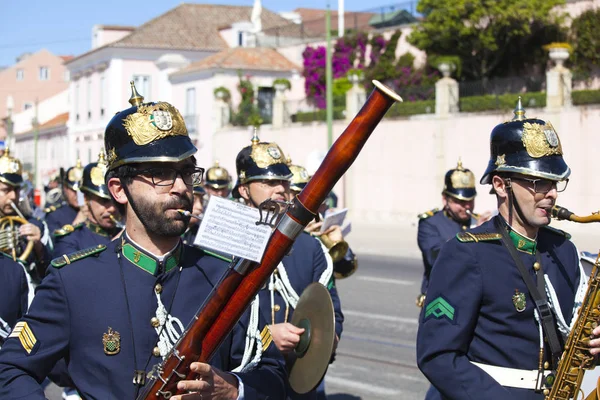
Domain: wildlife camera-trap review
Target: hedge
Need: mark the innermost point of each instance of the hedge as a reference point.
(318, 115)
(502, 102)
(585, 97)
(411, 108)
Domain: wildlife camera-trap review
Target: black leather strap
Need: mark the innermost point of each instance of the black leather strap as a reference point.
(538, 293)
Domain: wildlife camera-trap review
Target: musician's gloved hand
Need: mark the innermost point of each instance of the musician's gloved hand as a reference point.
(595, 342)
(30, 232)
(286, 336)
(212, 384)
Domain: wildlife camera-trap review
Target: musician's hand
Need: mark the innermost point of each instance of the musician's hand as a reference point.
(211, 384)
(313, 227)
(30, 232)
(335, 233)
(595, 342)
(286, 336)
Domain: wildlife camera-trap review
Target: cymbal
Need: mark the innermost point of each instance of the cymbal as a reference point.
(309, 361)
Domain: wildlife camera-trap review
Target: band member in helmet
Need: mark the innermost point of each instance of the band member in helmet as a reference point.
(114, 311)
(102, 217)
(438, 226)
(68, 211)
(344, 264)
(34, 230)
(264, 174)
(217, 181)
(501, 296)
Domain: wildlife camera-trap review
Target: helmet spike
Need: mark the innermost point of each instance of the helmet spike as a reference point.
(255, 139)
(519, 111)
(136, 99)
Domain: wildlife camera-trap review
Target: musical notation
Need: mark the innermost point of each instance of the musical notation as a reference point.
(230, 227)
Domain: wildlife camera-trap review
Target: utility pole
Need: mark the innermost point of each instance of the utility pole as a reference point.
(329, 79)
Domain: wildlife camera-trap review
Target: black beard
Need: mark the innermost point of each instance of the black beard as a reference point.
(156, 222)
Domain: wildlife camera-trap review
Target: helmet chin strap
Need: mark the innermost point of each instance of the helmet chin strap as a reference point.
(513, 204)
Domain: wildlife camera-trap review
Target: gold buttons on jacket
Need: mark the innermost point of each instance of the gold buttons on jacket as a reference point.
(536, 266)
(546, 365)
(158, 288)
(154, 322)
(276, 307)
(156, 352)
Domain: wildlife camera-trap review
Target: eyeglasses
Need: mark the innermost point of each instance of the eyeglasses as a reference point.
(545, 185)
(167, 176)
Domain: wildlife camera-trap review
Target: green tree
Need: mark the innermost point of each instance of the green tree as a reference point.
(491, 37)
(584, 31)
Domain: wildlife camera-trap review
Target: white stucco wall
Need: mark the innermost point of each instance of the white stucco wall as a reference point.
(400, 171)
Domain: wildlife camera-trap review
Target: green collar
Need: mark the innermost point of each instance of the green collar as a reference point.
(522, 243)
(96, 229)
(147, 261)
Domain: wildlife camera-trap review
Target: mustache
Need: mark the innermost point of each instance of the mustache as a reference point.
(183, 203)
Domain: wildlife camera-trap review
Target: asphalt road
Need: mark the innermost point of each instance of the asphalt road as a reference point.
(376, 356)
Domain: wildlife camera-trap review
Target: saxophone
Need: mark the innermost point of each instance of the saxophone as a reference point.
(576, 358)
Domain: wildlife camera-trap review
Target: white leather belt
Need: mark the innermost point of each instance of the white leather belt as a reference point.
(511, 377)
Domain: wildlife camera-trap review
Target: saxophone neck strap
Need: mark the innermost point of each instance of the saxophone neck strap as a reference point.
(538, 293)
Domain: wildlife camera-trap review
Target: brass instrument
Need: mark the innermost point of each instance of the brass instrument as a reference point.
(10, 239)
(561, 213)
(576, 358)
(337, 251)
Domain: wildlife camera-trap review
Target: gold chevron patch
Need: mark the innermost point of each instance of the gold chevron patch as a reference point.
(266, 338)
(25, 335)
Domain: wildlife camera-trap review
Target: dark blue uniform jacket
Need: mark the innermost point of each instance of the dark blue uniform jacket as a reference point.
(84, 235)
(13, 290)
(76, 305)
(432, 234)
(61, 216)
(475, 319)
(304, 265)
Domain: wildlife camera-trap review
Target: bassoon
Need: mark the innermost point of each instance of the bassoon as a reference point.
(241, 283)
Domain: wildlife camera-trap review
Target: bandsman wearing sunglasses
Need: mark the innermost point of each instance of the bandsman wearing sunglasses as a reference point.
(115, 311)
(502, 296)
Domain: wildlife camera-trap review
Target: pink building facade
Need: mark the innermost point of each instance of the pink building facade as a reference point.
(36, 77)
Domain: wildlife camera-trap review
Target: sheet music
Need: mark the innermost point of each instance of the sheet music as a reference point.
(333, 218)
(230, 227)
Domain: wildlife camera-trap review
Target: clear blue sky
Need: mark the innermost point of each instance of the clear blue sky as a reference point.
(64, 26)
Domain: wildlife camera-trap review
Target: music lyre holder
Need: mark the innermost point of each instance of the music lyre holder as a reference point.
(273, 210)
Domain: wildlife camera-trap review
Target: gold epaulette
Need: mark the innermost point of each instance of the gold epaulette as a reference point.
(557, 231)
(466, 237)
(52, 208)
(428, 214)
(65, 230)
(65, 259)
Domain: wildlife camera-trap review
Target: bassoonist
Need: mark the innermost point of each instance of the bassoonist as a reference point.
(240, 284)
